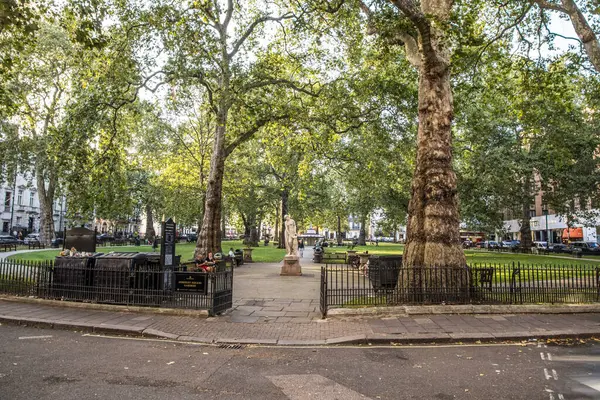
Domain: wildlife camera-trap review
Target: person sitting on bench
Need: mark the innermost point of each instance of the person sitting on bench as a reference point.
(206, 264)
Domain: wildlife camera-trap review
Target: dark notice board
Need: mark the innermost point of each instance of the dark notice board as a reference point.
(167, 245)
(191, 282)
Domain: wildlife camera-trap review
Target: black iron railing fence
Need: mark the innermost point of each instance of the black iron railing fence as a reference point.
(141, 284)
(345, 286)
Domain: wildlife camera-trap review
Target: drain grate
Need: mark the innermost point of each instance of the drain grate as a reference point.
(231, 346)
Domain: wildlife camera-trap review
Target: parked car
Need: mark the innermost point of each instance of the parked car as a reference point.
(32, 238)
(191, 237)
(508, 244)
(58, 242)
(467, 244)
(540, 245)
(7, 239)
(491, 244)
(559, 248)
(586, 247)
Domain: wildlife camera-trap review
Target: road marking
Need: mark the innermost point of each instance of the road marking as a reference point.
(546, 356)
(35, 337)
(582, 358)
(548, 375)
(542, 355)
(316, 387)
(561, 397)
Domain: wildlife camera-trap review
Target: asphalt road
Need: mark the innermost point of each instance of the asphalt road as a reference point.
(53, 364)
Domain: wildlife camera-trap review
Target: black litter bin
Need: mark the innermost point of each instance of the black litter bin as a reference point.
(318, 255)
(128, 278)
(383, 272)
(239, 257)
(73, 277)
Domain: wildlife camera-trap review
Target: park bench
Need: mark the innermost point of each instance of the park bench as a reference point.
(482, 277)
(8, 246)
(35, 245)
(334, 258)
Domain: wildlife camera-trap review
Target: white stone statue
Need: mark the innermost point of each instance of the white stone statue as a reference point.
(291, 237)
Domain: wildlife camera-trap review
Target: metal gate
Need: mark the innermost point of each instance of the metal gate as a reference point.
(221, 291)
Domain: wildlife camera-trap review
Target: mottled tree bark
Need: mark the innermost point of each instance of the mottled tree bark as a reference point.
(276, 233)
(209, 239)
(525, 228)
(338, 233)
(46, 198)
(150, 232)
(362, 235)
(433, 222)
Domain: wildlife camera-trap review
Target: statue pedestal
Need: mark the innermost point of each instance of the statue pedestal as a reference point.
(291, 266)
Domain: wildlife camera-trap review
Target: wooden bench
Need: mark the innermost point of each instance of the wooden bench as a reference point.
(8, 247)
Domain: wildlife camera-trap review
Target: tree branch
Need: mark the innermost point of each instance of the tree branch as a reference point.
(248, 134)
(228, 15)
(284, 82)
(412, 11)
(411, 46)
(250, 29)
(549, 6)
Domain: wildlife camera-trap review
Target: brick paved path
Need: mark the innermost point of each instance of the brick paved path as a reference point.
(439, 328)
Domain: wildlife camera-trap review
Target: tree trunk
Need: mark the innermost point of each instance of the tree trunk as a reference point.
(362, 236)
(223, 225)
(433, 222)
(209, 239)
(276, 233)
(254, 237)
(150, 232)
(525, 228)
(284, 210)
(338, 233)
(46, 198)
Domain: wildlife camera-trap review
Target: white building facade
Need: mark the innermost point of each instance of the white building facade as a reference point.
(20, 207)
(553, 228)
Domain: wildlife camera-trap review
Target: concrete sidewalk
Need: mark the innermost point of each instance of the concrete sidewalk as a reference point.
(398, 329)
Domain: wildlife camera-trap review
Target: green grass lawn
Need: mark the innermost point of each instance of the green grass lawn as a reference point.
(186, 250)
(273, 254)
(477, 256)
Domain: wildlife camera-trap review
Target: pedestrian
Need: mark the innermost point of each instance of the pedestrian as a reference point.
(155, 244)
(301, 248)
(231, 255)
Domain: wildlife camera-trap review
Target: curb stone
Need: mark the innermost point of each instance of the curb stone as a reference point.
(462, 309)
(108, 307)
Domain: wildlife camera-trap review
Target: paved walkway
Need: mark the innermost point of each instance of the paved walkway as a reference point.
(402, 329)
(261, 295)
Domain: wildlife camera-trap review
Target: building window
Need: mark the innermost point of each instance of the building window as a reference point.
(31, 196)
(20, 197)
(531, 213)
(7, 200)
(19, 219)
